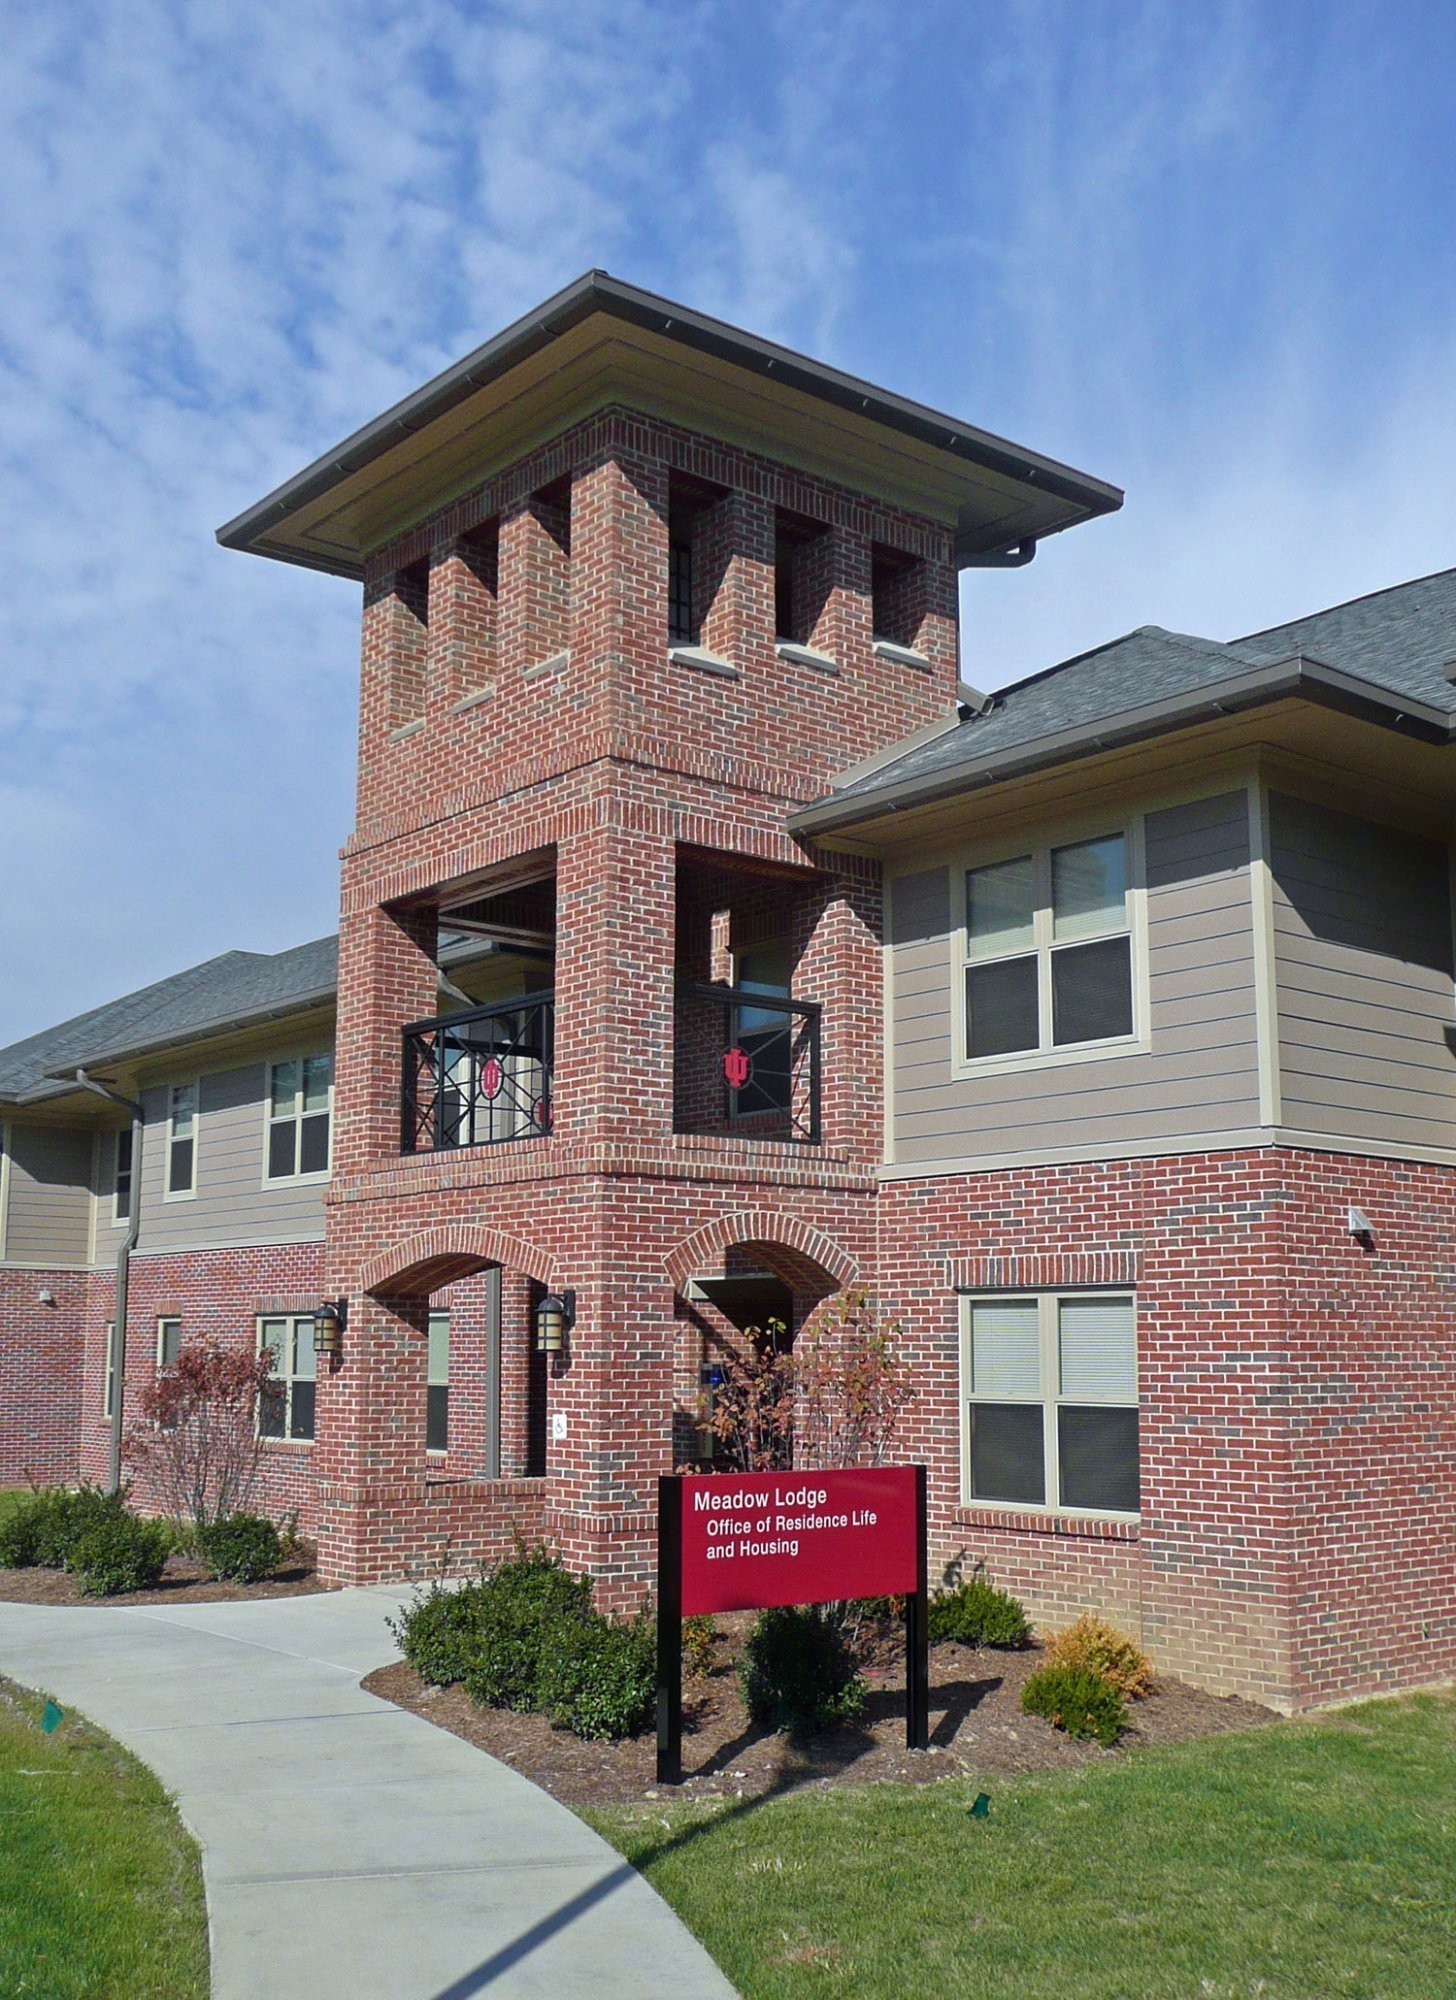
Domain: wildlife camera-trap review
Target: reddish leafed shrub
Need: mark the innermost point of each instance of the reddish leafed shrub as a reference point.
(197, 1434)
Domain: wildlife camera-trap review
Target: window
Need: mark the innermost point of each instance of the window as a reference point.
(765, 1034)
(121, 1180)
(1049, 950)
(437, 1392)
(681, 628)
(300, 1096)
(1049, 1394)
(182, 1140)
(108, 1393)
(285, 1409)
(169, 1341)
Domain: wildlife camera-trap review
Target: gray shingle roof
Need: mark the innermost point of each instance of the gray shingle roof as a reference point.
(1403, 638)
(223, 992)
(1396, 642)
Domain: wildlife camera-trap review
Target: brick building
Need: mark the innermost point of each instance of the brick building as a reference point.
(708, 944)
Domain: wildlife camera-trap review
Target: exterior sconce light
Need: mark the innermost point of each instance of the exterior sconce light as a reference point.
(554, 1319)
(1361, 1228)
(45, 1298)
(330, 1317)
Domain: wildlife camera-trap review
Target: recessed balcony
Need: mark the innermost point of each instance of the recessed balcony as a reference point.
(481, 1077)
(745, 1064)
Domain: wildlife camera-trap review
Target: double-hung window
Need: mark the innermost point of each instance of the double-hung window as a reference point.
(182, 1139)
(169, 1341)
(1050, 1402)
(1049, 950)
(121, 1179)
(300, 1098)
(437, 1391)
(285, 1408)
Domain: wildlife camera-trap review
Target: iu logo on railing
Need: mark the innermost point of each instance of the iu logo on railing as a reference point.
(492, 1076)
(737, 1068)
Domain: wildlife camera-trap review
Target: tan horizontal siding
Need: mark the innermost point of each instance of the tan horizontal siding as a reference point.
(49, 1220)
(1363, 961)
(231, 1204)
(1201, 1073)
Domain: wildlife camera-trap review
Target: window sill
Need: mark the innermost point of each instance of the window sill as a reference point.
(1058, 1058)
(297, 1180)
(902, 656)
(805, 656)
(1032, 1521)
(703, 662)
(555, 663)
(406, 730)
(292, 1446)
(473, 699)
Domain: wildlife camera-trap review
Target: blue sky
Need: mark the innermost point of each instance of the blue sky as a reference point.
(1205, 252)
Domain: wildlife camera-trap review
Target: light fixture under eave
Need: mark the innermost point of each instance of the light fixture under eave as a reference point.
(554, 1319)
(330, 1318)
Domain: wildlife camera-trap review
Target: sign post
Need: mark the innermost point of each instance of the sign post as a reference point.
(747, 1541)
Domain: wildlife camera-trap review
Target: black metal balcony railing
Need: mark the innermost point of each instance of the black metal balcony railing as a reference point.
(745, 1064)
(480, 1077)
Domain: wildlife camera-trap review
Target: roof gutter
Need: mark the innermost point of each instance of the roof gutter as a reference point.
(1298, 676)
(198, 1031)
(116, 1360)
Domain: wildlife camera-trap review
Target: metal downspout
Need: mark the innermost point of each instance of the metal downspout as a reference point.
(116, 1360)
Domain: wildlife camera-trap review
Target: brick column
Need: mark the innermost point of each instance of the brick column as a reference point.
(839, 964)
(462, 634)
(369, 1436)
(733, 566)
(387, 978)
(535, 581)
(614, 980)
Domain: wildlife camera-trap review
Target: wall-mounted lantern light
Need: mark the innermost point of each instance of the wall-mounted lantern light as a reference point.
(554, 1318)
(330, 1317)
(45, 1297)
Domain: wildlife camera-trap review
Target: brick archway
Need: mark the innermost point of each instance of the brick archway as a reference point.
(423, 1263)
(759, 1226)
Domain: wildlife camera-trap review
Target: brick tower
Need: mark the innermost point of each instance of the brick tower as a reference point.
(636, 588)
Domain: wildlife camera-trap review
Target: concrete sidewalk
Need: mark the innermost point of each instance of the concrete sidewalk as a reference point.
(350, 1849)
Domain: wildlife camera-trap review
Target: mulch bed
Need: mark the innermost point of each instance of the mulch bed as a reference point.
(184, 1581)
(977, 1730)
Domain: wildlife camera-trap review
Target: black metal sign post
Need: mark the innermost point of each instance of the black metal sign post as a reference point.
(917, 1633)
(669, 1629)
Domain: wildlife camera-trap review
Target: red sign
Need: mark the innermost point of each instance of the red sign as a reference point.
(766, 1538)
(737, 1068)
(492, 1076)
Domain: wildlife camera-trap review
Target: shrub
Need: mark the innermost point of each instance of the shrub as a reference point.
(798, 1671)
(699, 1636)
(198, 1435)
(527, 1608)
(64, 1517)
(600, 1680)
(241, 1548)
(1095, 1647)
(120, 1553)
(19, 1532)
(438, 1631)
(1080, 1702)
(976, 1613)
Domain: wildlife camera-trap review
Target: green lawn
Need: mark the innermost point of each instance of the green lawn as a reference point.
(1308, 1861)
(100, 1887)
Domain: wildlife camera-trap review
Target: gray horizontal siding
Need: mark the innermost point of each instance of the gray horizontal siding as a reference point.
(49, 1219)
(1363, 974)
(1201, 1075)
(231, 1205)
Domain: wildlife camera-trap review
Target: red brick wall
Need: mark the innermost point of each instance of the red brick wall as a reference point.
(1298, 1406)
(41, 1358)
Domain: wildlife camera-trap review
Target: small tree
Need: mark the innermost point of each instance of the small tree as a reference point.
(197, 1434)
(834, 1400)
(851, 1387)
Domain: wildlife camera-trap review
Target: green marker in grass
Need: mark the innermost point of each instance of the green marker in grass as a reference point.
(51, 1719)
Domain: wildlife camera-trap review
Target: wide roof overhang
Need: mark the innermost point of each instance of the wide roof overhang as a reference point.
(600, 342)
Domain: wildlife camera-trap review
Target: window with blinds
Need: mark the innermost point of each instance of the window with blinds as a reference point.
(1049, 949)
(1050, 1402)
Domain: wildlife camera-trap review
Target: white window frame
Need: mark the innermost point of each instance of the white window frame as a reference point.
(434, 1381)
(169, 1193)
(166, 1320)
(319, 1175)
(1050, 1055)
(126, 1132)
(1050, 1399)
(286, 1378)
